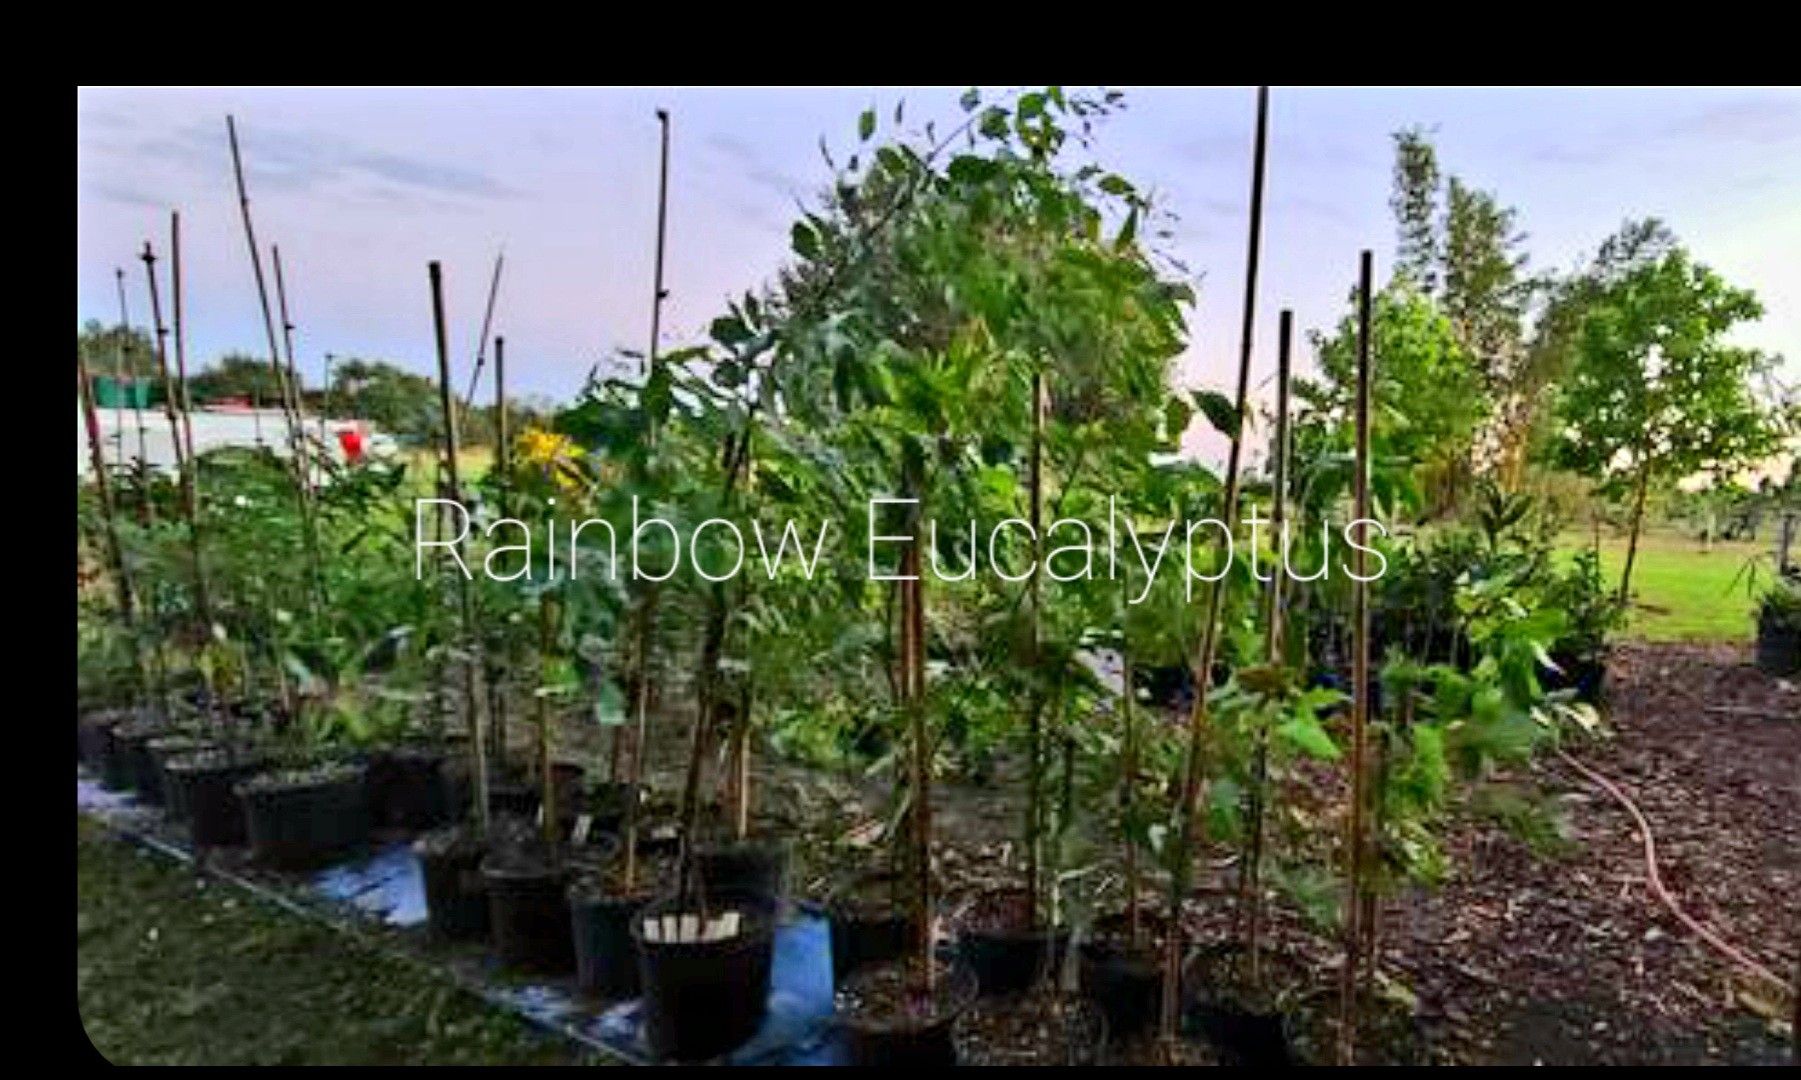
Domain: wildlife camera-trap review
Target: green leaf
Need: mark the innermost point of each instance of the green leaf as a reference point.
(1218, 409)
(804, 240)
(866, 125)
(1305, 733)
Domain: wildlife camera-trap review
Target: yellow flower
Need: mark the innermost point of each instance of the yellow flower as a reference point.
(547, 454)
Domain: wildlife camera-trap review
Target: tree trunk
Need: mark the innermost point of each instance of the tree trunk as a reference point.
(1638, 518)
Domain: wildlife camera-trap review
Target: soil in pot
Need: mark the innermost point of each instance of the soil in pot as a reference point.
(299, 818)
(408, 789)
(1037, 1029)
(1007, 953)
(205, 784)
(456, 897)
(868, 925)
(528, 909)
(753, 868)
(888, 1019)
(1123, 979)
(705, 975)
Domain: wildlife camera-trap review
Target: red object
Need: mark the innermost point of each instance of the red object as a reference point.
(352, 442)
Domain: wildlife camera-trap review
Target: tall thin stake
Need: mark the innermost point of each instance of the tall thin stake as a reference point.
(481, 343)
(503, 462)
(1356, 844)
(660, 293)
(1203, 668)
(146, 510)
(295, 436)
(1035, 717)
(1251, 884)
(447, 400)
(121, 572)
(183, 462)
(297, 417)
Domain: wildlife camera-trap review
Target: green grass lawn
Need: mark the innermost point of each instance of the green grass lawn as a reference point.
(1682, 592)
(177, 970)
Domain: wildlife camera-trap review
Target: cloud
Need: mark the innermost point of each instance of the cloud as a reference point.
(749, 165)
(307, 162)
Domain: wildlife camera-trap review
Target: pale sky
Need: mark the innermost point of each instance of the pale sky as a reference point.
(361, 188)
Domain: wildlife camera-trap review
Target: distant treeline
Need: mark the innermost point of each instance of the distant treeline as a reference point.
(393, 399)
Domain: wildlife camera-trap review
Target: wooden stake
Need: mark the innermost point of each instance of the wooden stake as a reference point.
(447, 401)
(1251, 881)
(1035, 717)
(1357, 843)
(1203, 668)
(97, 459)
(183, 462)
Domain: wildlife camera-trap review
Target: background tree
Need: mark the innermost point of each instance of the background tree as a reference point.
(1653, 392)
(100, 346)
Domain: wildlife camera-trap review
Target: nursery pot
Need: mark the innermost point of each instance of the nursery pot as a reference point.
(204, 785)
(703, 998)
(93, 731)
(299, 819)
(528, 912)
(1778, 648)
(407, 788)
(1126, 983)
(128, 765)
(887, 1024)
(743, 868)
(606, 963)
(456, 897)
(1007, 954)
(161, 750)
(867, 926)
(1242, 1029)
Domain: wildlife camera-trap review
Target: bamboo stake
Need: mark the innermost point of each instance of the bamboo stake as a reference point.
(146, 511)
(1129, 717)
(1203, 668)
(183, 461)
(481, 343)
(647, 603)
(301, 482)
(1357, 844)
(121, 571)
(447, 401)
(1251, 883)
(295, 404)
(913, 650)
(1035, 719)
(497, 706)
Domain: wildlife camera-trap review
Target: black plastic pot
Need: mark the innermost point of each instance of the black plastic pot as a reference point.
(161, 750)
(512, 797)
(703, 999)
(1778, 648)
(456, 897)
(407, 788)
(128, 766)
(92, 733)
(743, 868)
(1126, 985)
(1242, 1031)
(917, 1041)
(204, 785)
(1010, 959)
(867, 926)
(300, 822)
(528, 911)
(606, 962)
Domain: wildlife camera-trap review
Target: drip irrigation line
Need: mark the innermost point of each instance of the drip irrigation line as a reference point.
(1655, 880)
